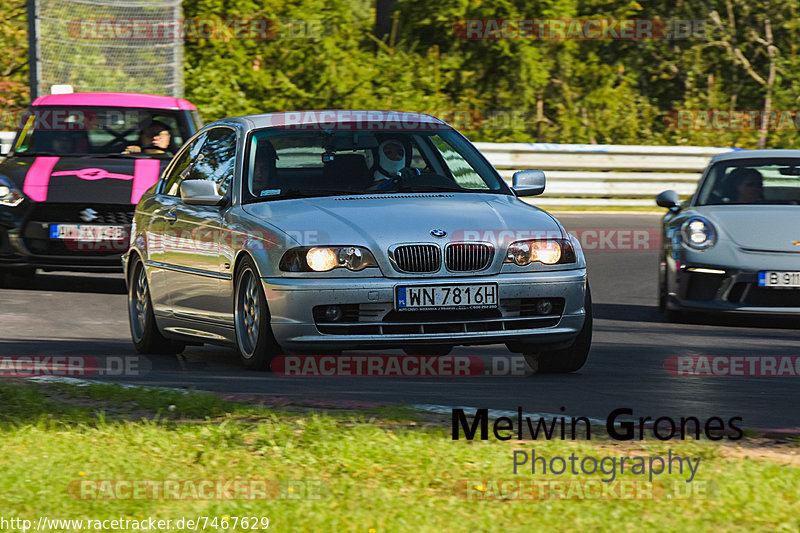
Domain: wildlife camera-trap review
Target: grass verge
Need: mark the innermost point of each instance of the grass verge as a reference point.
(66, 448)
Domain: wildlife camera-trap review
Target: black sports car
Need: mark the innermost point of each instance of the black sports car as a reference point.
(77, 167)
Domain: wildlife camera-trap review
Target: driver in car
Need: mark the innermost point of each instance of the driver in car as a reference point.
(391, 160)
(154, 139)
(748, 186)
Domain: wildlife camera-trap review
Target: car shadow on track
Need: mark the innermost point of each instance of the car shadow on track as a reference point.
(651, 314)
(68, 282)
(74, 346)
(627, 312)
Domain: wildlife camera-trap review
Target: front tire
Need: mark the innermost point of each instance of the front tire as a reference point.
(254, 339)
(144, 332)
(569, 359)
(671, 315)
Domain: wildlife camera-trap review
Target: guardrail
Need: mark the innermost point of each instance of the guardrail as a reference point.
(590, 174)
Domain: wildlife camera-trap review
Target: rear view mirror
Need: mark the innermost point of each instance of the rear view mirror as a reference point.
(200, 192)
(528, 182)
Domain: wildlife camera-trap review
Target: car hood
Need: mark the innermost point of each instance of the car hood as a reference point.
(773, 228)
(81, 179)
(380, 221)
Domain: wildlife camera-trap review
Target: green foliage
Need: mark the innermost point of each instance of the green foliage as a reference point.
(324, 55)
(14, 92)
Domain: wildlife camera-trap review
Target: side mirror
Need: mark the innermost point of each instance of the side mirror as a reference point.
(200, 192)
(528, 182)
(668, 199)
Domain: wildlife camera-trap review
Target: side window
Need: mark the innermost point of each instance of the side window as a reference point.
(217, 159)
(177, 173)
(461, 170)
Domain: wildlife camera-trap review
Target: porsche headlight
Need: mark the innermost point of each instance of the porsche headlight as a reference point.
(546, 251)
(325, 258)
(10, 196)
(698, 233)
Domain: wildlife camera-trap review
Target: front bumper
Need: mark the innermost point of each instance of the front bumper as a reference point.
(731, 290)
(25, 239)
(16, 253)
(374, 323)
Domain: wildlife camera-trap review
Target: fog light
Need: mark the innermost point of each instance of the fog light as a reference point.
(544, 307)
(333, 313)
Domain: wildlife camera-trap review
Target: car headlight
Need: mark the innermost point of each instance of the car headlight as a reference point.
(698, 233)
(325, 258)
(546, 251)
(10, 196)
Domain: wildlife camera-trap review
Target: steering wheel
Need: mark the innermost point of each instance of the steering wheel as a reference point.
(398, 180)
(114, 146)
(158, 149)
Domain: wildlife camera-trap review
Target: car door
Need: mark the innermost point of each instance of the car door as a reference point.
(160, 232)
(197, 272)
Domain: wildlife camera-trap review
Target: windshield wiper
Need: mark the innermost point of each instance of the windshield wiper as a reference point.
(437, 188)
(125, 156)
(433, 188)
(53, 154)
(98, 156)
(312, 193)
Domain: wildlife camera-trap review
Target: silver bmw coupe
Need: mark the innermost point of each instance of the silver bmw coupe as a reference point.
(338, 230)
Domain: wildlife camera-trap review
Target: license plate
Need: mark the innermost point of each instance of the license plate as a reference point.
(778, 279)
(438, 297)
(88, 233)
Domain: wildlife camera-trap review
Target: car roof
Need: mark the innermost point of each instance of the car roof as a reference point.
(755, 154)
(148, 101)
(374, 120)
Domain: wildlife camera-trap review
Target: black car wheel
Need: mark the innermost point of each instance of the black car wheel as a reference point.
(254, 338)
(144, 332)
(672, 315)
(568, 359)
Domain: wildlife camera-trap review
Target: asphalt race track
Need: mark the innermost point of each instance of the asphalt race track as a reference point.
(85, 314)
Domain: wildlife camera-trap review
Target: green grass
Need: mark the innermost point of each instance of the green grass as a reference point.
(386, 469)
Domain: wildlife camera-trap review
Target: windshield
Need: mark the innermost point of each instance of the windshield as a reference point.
(291, 164)
(61, 130)
(752, 181)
